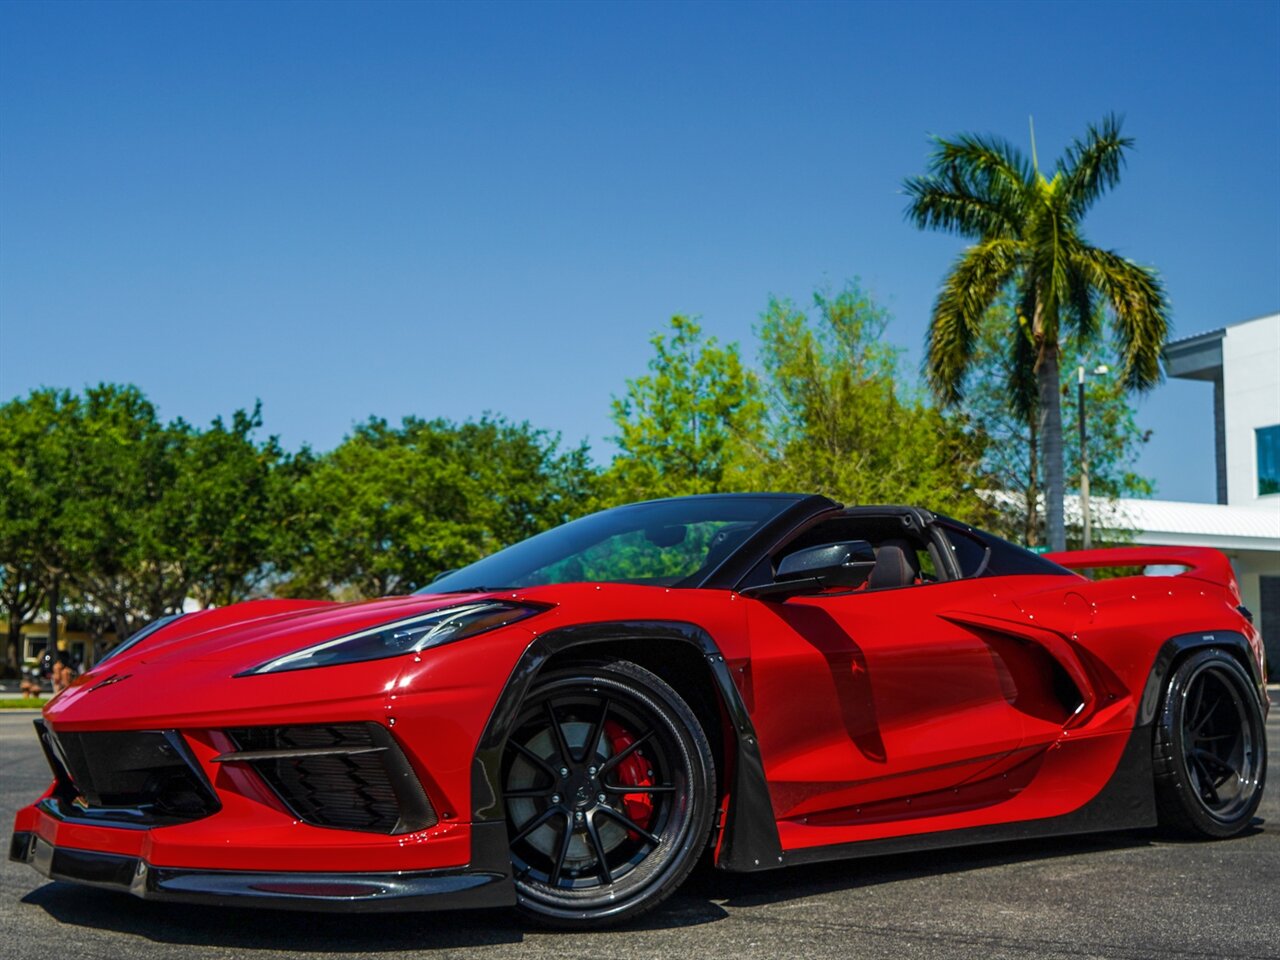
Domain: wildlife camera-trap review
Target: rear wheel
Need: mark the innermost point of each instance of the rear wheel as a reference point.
(1210, 747)
(609, 786)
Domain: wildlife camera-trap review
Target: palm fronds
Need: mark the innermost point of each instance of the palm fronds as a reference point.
(973, 284)
(1136, 295)
(1091, 165)
(951, 206)
(1029, 227)
(973, 189)
(1026, 229)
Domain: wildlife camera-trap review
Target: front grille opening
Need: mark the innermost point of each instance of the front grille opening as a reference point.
(145, 777)
(349, 776)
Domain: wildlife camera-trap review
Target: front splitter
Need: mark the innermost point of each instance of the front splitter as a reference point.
(454, 889)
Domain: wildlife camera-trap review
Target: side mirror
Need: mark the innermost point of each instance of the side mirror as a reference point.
(844, 564)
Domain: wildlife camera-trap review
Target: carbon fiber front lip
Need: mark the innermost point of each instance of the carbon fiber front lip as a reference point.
(460, 889)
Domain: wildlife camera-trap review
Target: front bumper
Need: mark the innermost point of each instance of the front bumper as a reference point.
(471, 887)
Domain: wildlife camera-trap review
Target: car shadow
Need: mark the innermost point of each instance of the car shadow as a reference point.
(847, 876)
(284, 930)
(702, 900)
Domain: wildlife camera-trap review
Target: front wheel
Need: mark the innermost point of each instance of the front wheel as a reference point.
(609, 785)
(1210, 747)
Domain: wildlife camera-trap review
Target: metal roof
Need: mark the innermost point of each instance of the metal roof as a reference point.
(1174, 523)
(1170, 522)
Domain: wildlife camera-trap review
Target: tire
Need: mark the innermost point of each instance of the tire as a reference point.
(603, 834)
(1210, 748)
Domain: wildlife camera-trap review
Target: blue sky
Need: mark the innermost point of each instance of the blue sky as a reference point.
(365, 209)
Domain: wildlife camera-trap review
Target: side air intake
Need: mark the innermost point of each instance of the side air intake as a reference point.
(141, 777)
(349, 776)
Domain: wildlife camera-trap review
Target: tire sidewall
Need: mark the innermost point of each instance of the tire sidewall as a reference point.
(1178, 784)
(680, 719)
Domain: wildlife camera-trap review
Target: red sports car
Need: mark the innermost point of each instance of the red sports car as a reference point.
(571, 723)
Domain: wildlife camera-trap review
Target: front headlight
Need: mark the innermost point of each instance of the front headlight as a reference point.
(410, 635)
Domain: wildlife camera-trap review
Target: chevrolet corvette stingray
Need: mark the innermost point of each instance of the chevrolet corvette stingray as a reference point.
(570, 724)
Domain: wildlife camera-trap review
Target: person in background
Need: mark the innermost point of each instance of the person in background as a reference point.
(62, 673)
(30, 685)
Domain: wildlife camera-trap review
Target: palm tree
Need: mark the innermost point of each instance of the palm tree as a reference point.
(1027, 237)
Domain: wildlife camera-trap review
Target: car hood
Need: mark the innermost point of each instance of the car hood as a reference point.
(184, 668)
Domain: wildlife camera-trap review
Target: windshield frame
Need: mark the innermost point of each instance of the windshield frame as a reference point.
(791, 510)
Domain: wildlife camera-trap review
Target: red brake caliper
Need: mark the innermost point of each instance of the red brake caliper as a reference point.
(634, 771)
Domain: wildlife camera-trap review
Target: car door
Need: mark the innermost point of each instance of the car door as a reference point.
(872, 696)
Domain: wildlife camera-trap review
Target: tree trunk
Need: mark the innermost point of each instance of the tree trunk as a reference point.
(55, 601)
(1031, 493)
(15, 642)
(1051, 438)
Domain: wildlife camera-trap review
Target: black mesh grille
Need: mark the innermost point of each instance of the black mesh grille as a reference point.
(367, 786)
(133, 776)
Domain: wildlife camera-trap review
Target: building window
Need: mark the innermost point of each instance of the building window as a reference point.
(1268, 460)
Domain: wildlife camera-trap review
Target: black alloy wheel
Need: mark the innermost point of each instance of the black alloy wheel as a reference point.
(609, 786)
(1210, 747)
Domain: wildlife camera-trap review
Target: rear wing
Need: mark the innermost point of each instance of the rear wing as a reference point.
(1201, 563)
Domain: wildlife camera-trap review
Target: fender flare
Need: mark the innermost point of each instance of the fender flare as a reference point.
(749, 835)
(1174, 648)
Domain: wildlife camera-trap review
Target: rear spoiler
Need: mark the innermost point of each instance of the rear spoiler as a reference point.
(1202, 563)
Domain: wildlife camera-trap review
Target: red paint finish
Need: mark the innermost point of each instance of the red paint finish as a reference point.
(899, 700)
(930, 707)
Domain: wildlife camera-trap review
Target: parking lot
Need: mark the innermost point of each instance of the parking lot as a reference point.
(1131, 895)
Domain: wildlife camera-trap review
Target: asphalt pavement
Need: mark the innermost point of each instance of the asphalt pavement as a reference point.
(1129, 895)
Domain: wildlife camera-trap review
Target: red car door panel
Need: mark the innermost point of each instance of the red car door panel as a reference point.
(867, 696)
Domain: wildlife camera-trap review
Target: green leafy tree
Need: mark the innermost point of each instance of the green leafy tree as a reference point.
(843, 422)
(228, 504)
(690, 424)
(37, 453)
(391, 508)
(1027, 235)
(23, 523)
(119, 525)
(535, 483)
(21, 596)
(118, 517)
(78, 470)
(1010, 462)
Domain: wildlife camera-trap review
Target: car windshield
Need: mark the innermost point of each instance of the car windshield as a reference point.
(660, 543)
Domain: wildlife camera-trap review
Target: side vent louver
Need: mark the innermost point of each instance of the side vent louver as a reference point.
(349, 776)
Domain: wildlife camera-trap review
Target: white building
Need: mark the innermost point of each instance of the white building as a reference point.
(1242, 363)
